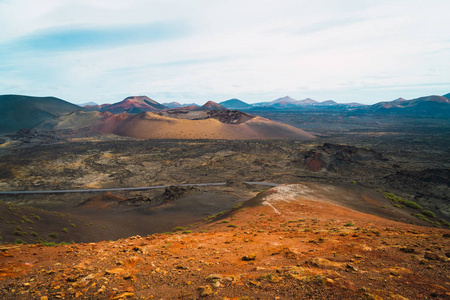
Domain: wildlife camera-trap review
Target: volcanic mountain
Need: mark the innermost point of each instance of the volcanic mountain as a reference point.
(17, 111)
(134, 104)
(235, 104)
(211, 105)
(181, 124)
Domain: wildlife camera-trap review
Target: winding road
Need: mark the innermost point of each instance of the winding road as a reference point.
(129, 188)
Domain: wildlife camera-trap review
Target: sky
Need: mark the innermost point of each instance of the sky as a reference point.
(199, 50)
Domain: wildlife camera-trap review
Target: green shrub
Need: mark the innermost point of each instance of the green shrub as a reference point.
(232, 225)
(34, 233)
(237, 205)
(18, 231)
(65, 230)
(178, 228)
(444, 223)
(212, 217)
(429, 213)
(48, 244)
(407, 203)
(19, 241)
(186, 232)
(53, 235)
(349, 224)
(25, 218)
(73, 225)
(422, 217)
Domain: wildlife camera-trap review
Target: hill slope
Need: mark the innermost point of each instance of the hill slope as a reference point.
(153, 126)
(17, 111)
(284, 244)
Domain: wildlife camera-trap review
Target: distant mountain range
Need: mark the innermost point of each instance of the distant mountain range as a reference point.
(17, 111)
(429, 105)
(425, 105)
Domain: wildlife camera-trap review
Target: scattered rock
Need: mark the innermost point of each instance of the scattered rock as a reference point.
(398, 271)
(214, 277)
(351, 267)
(205, 290)
(323, 263)
(249, 257)
(273, 278)
(431, 256)
(408, 250)
(124, 295)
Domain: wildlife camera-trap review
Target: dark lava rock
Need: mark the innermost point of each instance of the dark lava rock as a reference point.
(174, 192)
(230, 116)
(333, 157)
(431, 256)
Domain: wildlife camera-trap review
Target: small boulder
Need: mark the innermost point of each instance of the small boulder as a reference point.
(205, 290)
(431, 256)
(249, 257)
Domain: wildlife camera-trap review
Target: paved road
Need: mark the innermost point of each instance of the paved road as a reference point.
(128, 189)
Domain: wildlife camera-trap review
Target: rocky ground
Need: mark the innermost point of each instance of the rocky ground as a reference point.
(90, 163)
(286, 243)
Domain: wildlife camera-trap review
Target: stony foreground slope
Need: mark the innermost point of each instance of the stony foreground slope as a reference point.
(287, 243)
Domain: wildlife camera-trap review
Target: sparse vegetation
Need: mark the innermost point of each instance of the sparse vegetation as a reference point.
(212, 217)
(422, 217)
(402, 201)
(444, 223)
(53, 235)
(178, 228)
(18, 231)
(429, 213)
(65, 230)
(26, 219)
(19, 242)
(35, 216)
(237, 205)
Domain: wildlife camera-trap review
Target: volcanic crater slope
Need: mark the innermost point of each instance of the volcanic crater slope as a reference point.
(181, 124)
